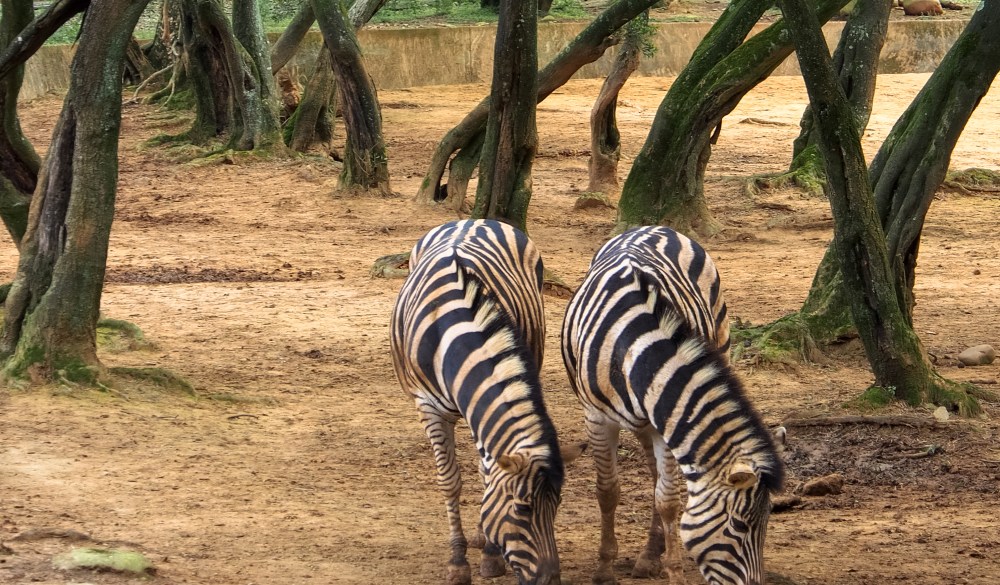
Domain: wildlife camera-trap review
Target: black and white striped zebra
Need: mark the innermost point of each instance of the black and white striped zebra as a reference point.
(644, 342)
(467, 337)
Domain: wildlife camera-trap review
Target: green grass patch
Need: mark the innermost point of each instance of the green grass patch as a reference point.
(101, 559)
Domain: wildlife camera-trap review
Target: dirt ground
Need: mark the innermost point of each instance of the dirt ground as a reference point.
(300, 461)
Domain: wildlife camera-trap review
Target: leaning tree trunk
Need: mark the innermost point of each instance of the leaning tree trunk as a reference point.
(605, 140)
(35, 34)
(511, 138)
(50, 316)
(856, 60)
(893, 348)
(18, 162)
(288, 43)
(365, 164)
(666, 183)
(466, 138)
(911, 165)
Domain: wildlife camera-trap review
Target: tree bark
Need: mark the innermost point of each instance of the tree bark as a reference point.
(511, 138)
(312, 120)
(666, 183)
(50, 316)
(365, 163)
(19, 164)
(856, 61)
(34, 35)
(261, 123)
(910, 166)
(159, 51)
(288, 43)
(605, 140)
(893, 348)
(587, 47)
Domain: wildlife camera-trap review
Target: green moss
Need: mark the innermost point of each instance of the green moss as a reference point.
(874, 397)
(957, 397)
(160, 377)
(115, 335)
(118, 560)
(973, 179)
(784, 341)
(807, 174)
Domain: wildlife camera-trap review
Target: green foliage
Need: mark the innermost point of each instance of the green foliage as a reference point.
(638, 32)
(567, 9)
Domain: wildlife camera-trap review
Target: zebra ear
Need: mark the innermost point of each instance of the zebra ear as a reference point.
(742, 476)
(514, 463)
(572, 452)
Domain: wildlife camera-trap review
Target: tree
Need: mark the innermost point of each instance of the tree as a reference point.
(909, 167)
(856, 61)
(876, 299)
(466, 138)
(605, 141)
(365, 163)
(50, 315)
(511, 136)
(19, 163)
(666, 183)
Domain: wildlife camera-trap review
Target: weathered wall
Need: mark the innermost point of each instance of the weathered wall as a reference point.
(410, 57)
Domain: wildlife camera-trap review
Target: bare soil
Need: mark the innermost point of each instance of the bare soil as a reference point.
(299, 460)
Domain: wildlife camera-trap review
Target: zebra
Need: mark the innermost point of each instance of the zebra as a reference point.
(467, 336)
(644, 341)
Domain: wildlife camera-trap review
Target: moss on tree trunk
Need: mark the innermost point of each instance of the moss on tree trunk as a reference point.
(51, 313)
(312, 120)
(875, 301)
(511, 138)
(666, 183)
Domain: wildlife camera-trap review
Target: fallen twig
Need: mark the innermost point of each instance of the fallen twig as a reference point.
(242, 415)
(826, 421)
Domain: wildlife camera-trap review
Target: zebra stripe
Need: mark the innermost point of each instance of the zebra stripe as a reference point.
(644, 341)
(467, 334)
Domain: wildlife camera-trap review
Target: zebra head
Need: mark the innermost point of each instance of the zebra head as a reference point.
(521, 496)
(724, 524)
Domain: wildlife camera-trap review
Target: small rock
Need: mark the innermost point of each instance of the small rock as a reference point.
(824, 486)
(979, 355)
(941, 414)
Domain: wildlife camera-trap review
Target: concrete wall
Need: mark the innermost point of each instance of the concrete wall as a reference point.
(399, 58)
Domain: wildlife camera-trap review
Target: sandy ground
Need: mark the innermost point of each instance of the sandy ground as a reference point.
(300, 460)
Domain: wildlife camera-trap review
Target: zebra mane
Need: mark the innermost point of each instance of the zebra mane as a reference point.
(707, 358)
(496, 323)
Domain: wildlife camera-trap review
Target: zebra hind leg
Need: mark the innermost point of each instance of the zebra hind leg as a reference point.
(649, 564)
(441, 433)
(604, 442)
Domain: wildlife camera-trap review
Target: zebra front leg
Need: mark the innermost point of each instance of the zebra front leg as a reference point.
(604, 441)
(649, 565)
(669, 485)
(491, 564)
(441, 433)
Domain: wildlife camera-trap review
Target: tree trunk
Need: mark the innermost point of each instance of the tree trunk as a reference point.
(50, 316)
(666, 183)
(365, 163)
(876, 305)
(19, 163)
(137, 65)
(160, 50)
(856, 61)
(261, 124)
(288, 43)
(312, 120)
(511, 138)
(587, 47)
(605, 140)
(910, 166)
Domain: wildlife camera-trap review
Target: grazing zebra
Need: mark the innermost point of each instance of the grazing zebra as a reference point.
(467, 337)
(644, 341)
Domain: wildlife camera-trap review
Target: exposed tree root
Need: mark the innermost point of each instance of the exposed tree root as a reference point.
(955, 396)
(808, 176)
(391, 266)
(973, 180)
(117, 336)
(555, 286)
(827, 421)
(159, 377)
(786, 341)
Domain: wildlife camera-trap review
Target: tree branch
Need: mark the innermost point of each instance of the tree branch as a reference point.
(35, 34)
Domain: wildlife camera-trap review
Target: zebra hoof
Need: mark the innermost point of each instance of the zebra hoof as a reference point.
(647, 568)
(492, 566)
(459, 575)
(604, 579)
